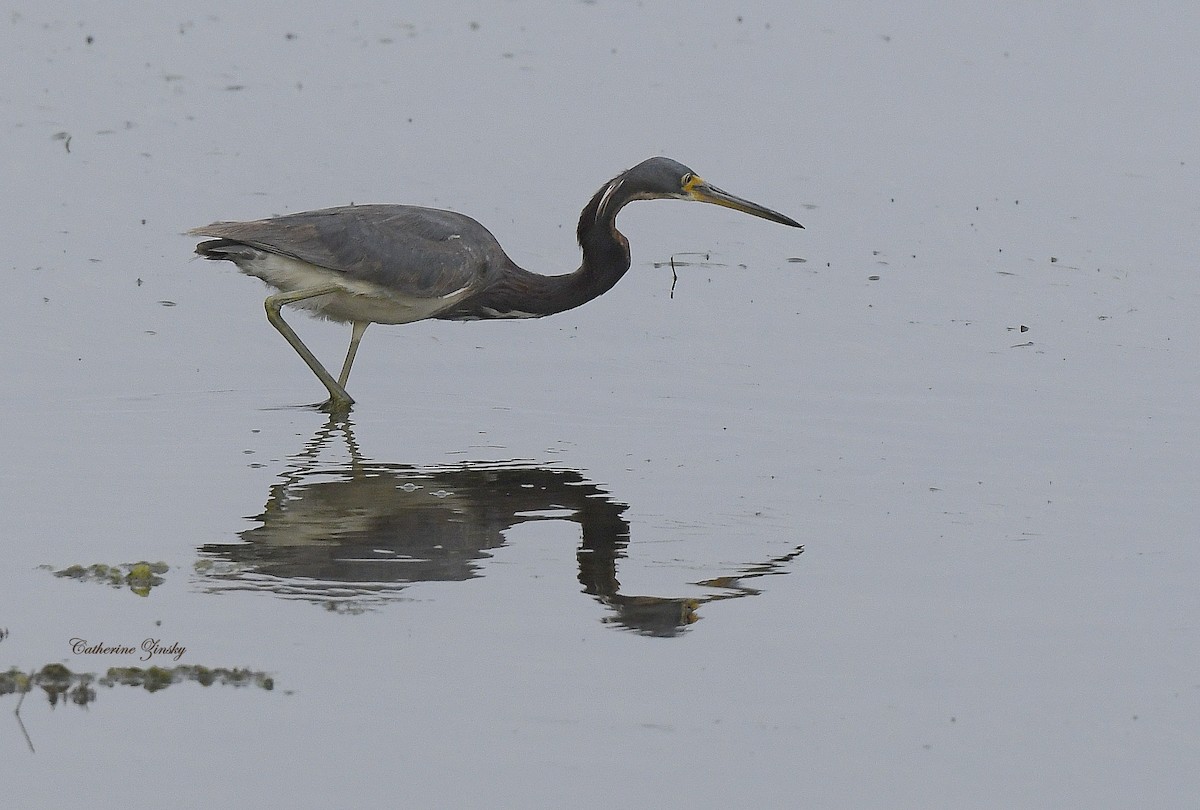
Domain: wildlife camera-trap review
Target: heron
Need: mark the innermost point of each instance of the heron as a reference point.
(395, 264)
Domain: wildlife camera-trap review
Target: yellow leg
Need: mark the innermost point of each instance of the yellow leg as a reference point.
(356, 332)
(339, 400)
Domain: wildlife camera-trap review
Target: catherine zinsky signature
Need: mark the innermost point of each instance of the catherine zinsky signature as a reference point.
(145, 651)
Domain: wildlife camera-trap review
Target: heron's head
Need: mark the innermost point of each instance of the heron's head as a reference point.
(663, 178)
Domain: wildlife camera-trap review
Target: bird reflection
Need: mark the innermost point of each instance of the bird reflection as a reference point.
(356, 533)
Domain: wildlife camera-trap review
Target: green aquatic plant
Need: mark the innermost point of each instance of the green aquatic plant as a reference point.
(60, 683)
(140, 577)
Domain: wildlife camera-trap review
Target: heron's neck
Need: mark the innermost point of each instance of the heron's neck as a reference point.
(605, 250)
(605, 256)
(605, 261)
(519, 293)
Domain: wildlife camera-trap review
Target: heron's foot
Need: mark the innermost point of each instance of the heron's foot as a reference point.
(335, 406)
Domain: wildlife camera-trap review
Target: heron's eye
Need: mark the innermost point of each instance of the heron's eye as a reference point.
(686, 179)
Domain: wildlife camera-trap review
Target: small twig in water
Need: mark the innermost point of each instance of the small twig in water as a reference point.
(17, 714)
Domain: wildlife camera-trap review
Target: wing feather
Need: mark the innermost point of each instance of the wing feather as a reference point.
(413, 251)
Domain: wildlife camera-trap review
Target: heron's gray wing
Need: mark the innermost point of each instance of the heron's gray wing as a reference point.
(412, 251)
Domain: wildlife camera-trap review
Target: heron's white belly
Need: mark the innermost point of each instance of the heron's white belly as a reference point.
(360, 301)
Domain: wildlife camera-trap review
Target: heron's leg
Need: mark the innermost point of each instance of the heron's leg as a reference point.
(338, 398)
(356, 332)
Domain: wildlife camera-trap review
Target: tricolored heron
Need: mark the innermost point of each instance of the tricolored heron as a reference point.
(364, 264)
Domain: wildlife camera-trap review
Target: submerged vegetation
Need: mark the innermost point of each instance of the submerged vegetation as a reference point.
(62, 685)
(140, 576)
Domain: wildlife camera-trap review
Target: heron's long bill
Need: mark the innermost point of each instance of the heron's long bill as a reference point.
(703, 192)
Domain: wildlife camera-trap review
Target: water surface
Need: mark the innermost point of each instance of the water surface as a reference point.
(893, 511)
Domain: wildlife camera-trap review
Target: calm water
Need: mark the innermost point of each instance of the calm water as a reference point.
(895, 511)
